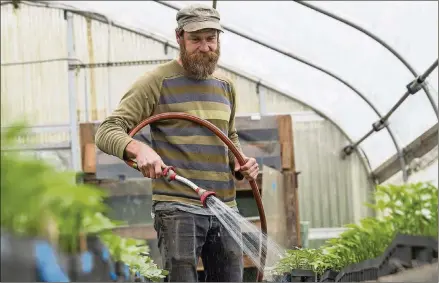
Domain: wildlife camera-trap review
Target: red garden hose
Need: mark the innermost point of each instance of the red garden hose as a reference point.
(230, 145)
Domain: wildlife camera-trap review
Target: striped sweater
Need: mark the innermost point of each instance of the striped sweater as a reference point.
(195, 152)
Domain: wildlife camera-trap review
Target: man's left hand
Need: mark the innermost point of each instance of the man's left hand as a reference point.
(250, 169)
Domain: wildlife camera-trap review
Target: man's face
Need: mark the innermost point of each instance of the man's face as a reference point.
(199, 52)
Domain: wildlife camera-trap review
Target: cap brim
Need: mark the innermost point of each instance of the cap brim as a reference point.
(191, 27)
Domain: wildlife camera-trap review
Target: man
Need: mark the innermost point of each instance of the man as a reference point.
(185, 229)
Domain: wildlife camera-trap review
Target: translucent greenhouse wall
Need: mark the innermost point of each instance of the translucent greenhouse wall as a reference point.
(360, 60)
(38, 33)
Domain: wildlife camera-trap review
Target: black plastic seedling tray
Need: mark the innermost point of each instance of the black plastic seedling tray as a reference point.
(404, 252)
(328, 276)
(300, 275)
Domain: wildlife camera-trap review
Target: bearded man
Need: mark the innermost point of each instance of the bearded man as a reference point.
(185, 229)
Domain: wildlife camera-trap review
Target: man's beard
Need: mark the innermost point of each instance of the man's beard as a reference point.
(200, 64)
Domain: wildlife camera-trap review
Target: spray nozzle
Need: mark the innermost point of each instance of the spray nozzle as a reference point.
(204, 194)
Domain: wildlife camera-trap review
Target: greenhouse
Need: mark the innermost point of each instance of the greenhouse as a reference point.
(336, 103)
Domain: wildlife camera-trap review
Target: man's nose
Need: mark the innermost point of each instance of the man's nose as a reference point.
(204, 47)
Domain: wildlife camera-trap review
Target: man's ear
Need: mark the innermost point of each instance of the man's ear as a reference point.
(179, 36)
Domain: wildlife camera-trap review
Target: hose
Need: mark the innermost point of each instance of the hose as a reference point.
(236, 153)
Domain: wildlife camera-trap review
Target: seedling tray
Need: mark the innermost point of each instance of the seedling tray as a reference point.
(300, 275)
(363, 271)
(328, 276)
(404, 252)
(407, 251)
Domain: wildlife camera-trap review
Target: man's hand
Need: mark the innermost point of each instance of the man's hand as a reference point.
(250, 169)
(150, 164)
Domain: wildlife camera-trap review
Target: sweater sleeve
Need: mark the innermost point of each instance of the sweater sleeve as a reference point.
(136, 105)
(233, 134)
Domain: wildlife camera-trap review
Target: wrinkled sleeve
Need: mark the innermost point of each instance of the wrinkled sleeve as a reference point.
(136, 105)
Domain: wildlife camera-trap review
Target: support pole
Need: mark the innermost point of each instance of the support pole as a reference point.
(73, 106)
(261, 93)
(412, 88)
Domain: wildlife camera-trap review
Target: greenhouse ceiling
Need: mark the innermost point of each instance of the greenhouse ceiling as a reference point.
(350, 60)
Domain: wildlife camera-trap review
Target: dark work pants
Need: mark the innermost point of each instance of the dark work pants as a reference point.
(184, 237)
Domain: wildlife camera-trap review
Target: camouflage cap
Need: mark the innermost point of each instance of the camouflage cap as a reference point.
(197, 17)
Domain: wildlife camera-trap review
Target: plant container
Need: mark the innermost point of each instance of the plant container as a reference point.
(138, 277)
(407, 251)
(91, 263)
(404, 252)
(102, 258)
(29, 259)
(122, 272)
(286, 277)
(301, 275)
(362, 271)
(328, 276)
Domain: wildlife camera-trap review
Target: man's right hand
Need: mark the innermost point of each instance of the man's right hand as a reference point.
(150, 164)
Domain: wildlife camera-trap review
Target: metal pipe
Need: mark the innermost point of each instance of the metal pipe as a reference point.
(377, 39)
(412, 88)
(338, 78)
(424, 76)
(214, 4)
(73, 115)
(231, 146)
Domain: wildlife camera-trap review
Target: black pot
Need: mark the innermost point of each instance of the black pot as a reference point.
(87, 267)
(328, 276)
(407, 250)
(122, 272)
(363, 271)
(300, 275)
(286, 277)
(102, 258)
(29, 259)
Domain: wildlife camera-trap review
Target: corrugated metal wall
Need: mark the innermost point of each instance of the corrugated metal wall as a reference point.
(332, 191)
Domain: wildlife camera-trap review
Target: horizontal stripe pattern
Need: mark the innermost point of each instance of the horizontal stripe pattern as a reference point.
(210, 114)
(197, 165)
(190, 97)
(185, 131)
(189, 139)
(182, 81)
(191, 148)
(178, 189)
(205, 106)
(196, 153)
(173, 198)
(204, 184)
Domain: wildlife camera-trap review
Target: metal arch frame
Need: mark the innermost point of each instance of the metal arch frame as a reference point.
(377, 39)
(104, 19)
(331, 74)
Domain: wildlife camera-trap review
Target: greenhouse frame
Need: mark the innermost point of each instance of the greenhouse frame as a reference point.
(358, 80)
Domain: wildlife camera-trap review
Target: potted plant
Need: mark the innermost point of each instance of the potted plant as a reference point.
(297, 265)
(369, 249)
(53, 229)
(27, 217)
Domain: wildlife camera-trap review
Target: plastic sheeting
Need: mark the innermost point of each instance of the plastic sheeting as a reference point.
(410, 27)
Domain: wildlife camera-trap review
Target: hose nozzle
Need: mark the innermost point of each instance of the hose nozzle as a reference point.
(204, 194)
(170, 175)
